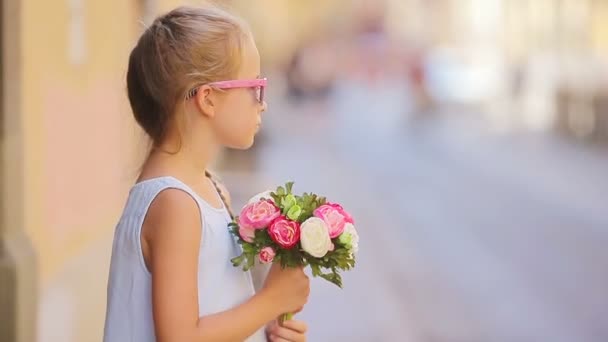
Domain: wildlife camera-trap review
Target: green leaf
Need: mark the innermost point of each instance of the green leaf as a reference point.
(237, 261)
(281, 191)
(288, 202)
(289, 187)
(294, 212)
(250, 262)
(333, 278)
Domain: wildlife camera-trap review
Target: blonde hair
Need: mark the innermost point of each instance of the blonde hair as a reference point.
(186, 47)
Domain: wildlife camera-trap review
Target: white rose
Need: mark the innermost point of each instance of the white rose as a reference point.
(349, 228)
(260, 196)
(314, 237)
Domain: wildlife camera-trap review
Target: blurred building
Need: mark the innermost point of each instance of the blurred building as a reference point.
(532, 65)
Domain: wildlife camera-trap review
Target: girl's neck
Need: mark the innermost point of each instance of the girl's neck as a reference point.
(188, 163)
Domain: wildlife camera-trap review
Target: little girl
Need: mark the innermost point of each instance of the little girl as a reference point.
(194, 87)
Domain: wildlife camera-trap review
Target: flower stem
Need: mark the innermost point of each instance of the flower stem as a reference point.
(285, 317)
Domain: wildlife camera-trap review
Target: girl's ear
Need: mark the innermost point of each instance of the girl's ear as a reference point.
(206, 101)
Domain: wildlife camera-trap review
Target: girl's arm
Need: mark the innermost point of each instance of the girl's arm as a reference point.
(172, 231)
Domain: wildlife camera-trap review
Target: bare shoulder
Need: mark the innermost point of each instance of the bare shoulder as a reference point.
(173, 216)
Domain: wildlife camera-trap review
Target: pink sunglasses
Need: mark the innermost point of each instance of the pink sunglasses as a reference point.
(259, 84)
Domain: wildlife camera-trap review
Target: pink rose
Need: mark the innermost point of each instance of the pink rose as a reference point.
(347, 217)
(266, 255)
(334, 216)
(284, 232)
(247, 233)
(259, 215)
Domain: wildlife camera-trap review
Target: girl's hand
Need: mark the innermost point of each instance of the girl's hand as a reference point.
(288, 288)
(291, 331)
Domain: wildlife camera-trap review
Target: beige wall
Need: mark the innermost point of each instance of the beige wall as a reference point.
(79, 153)
(77, 128)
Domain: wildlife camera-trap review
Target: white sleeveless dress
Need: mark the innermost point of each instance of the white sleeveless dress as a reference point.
(221, 286)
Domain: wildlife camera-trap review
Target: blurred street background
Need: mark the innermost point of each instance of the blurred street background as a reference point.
(469, 138)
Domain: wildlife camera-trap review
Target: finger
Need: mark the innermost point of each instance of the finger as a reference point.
(272, 327)
(295, 325)
(289, 334)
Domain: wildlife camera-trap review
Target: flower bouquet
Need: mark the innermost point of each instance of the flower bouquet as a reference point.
(296, 230)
